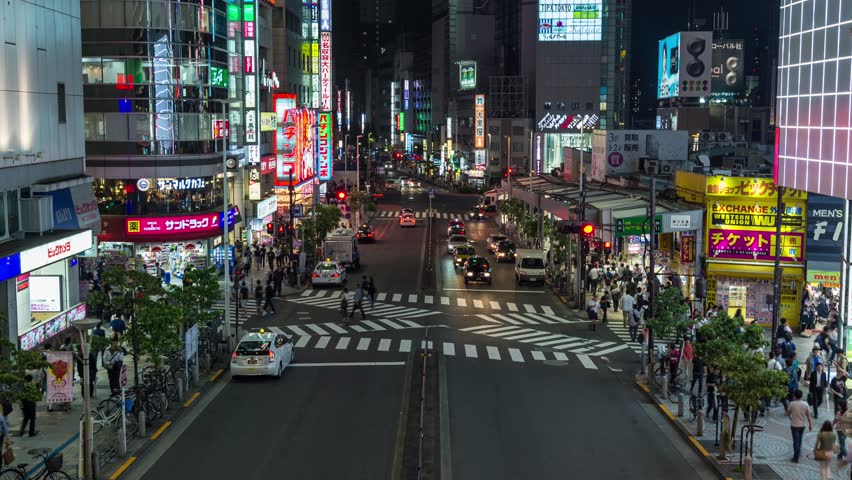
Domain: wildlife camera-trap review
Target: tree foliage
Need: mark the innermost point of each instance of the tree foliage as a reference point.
(200, 291)
(670, 314)
(724, 336)
(328, 218)
(14, 365)
(748, 381)
(157, 330)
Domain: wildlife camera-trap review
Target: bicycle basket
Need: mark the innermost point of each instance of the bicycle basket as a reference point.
(53, 463)
(128, 405)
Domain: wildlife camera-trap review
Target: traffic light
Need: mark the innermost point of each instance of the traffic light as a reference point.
(587, 229)
(269, 228)
(576, 226)
(341, 196)
(281, 230)
(607, 247)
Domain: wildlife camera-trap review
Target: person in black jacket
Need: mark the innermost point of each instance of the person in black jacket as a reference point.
(816, 386)
(28, 408)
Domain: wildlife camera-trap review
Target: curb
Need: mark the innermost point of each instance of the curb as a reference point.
(693, 442)
(402, 425)
(148, 442)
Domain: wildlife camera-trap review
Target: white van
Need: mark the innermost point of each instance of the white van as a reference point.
(529, 266)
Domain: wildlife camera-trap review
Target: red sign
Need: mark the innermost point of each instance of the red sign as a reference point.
(267, 164)
(123, 82)
(249, 64)
(221, 128)
(294, 144)
(325, 70)
(171, 228)
(248, 29)
(687, 249)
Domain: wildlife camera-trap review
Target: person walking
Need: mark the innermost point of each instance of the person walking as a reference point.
(799, 414)
(344, 305)
(627, 304)
(28, 408)
(371, 290)
(258, 296)
(687, 356)
(817, 384)
(278, 279)
(837, 390)
(824, 449)
(713, 382)
(112, 362)
(270, 259)
(358, 303)
(4, 434)
(270, 292)
(605, 304)
(634, 324)
(594, 275)
(592, 310)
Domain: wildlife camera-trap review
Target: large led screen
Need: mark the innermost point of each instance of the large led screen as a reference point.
(668, 67)
(569, 20)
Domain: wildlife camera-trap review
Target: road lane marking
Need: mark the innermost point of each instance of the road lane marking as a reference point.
(343, 343)
(216, 375)
(478, 303)
(610, 350)
(396, 297)
(486, 318)
(384, 344)
(476, 327)
(276, 330)
(427, 299)
(349, 364)
(501, 334)
(559, 339)
(537, 355)
(449, 349)
(516, 355)
(363, 344)
(302, 341)
(470, 351)
(298, 331)
(391, 324)
(507, 319)
(336, 294)
(560, 356)
(535, 317)
(321, 293)
(698, 446)
(535, 333)
(424, 346)
(160, 430)
(573, 345)
(410, 323)
(512, 307)
(322, 342)
(495, 305)
(498, 329)
(493, 353)
(381, 297)
(462, 302)
(373, 325)
(122, 468)
(412, 298)
(307, 293)
(529, 308)
(587, 362)
(193, 398)
(445, 300)
(405, 346)
(547, 310)
(358, 328)
(316, 329)
(523, 318)
(334, 328)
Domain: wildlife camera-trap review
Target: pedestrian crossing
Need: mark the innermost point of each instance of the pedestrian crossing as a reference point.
(246, 309)
(545, 313)
(424, 214)
(545, 339)
(329, 329)
(623, 334)
(331, 299)
(450, 349)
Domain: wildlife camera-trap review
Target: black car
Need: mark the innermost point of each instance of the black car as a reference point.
(477, 269)
(477, 214)
(365, 234)
(505, 251)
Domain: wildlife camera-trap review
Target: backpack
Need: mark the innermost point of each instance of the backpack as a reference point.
(820, 341)
(244, 292)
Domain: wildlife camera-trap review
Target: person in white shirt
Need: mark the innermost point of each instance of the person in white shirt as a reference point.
(627, 302)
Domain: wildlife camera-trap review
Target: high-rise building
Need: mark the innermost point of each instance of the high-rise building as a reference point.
(48, 212)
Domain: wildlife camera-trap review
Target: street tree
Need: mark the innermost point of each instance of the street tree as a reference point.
(359, 200)
(724, 336)
(156, 330)
(14, 365)
(200, 291)
(327, 219)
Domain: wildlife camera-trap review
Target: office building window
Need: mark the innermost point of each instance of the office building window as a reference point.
(60, 98)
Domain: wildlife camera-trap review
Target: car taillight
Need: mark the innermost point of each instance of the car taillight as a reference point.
(336, 275)
(369, 234)
(234, 358)
(271, 356)
(315, 275)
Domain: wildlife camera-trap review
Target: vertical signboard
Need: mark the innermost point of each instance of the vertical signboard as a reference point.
(479, 121)
(569, 20)
(325, 70)
(324, 146)
(294, 146)
(727, 71)
(249, 70)
(696, 56)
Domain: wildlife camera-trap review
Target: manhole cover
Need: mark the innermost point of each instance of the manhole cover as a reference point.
(556, 363)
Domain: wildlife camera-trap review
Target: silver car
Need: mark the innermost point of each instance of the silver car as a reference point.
(456, 241)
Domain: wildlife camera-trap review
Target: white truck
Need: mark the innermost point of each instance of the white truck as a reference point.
(341, 245)
(530, 266)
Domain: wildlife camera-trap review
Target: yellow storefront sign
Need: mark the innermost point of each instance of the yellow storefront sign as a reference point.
(268, 122)
(721, 186)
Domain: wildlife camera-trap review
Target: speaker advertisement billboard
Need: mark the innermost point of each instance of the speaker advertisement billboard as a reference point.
(727, 71)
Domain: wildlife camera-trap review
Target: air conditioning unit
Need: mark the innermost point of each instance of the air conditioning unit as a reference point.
(666, 169)
(37, 214)
(739, 144)
(741, 138)
(651, 167)
(723, 136)
(708, 136)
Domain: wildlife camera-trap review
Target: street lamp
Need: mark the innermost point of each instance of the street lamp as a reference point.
(83, 326)
(225, 238)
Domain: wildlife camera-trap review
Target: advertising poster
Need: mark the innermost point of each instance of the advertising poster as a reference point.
(617, 152)
(569, 20)
(668, 72)
(696, 57)
(60, 377)
(324, 146)
(294, 146)
(825, 239)
(727, 70)
(479, 122)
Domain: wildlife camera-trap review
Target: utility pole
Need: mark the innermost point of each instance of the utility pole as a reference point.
(776, 299)
(652, 276)
(581, 214)
(509, 164)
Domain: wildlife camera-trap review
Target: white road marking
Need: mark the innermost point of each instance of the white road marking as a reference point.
(298, 331)
(493, 353)
(537, 318)
(396, 297)
(497, 329)
(560, 356)
(302, 341)
(559, 339)
(495, 305)
(363, 344)
(321, 293)
(343, 343)
(486, 318)
(423, 345)
(373, 325)
(405, 345)
(445, 300)
(512, 307)
(478, 303)
(610, 350)
(334, 328)
(322, 342)
(381, 297)
(412, 298)
(502, 334)
(493, 291)
(537, 355)
(587, 362)
(529, 308)
(449, 349)
(384, 344)
(349, 364)
(336, 294)
(527, 335)
(462, 302)
(276, 330)
(507, 319)
(476, 327)
(427, 299)
(307, 293)
(470, 351)
(410, 323)
(316, 328)
(391, 324)
(516, 355)
(358, 328)
(546, 309)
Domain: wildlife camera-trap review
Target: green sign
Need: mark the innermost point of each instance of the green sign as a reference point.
(248, 13)
(233, 13)
(636, 226)
(401, 122)
(218, 77)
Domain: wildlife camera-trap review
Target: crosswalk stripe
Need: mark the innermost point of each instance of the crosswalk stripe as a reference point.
(493, 353)
(495, 305)
(321, 293)
(535, 317)
(302, 341)
(343, 343)
(445, 300)
(604, 344)
(527, 335)
(336, 294)
(449, 349)
(537, 355)
(470, 351)
(497, 329)
(391, 324)
(461, 302)
(358, 328)
(363, 344)
(523, 318)
(477, 303)
(373, 325)
(410, 323)
(334, 328)
(412, 298)
(316, 328)
(418, 315)
(613, 349)
(562, 339)
(558, 319)
(307, 293)
(516, 355)
(584, 347)
(587, 362)
(298, 331)
(381, 297)
(512, 307)
(385, 309)
(511, 332)
(384, 344)
(419, 214)
(506, 319)
(476, 327)
(426, 344)
(547, 310)
(322, 342)
(396, 297)
(405, 346)
(529, 308)
(560, 356)
(427, 299)
(276, 330)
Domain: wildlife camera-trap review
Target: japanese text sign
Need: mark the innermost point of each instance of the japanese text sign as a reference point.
(324, 146)
(753, 245)
(479, 121)
(748, 187)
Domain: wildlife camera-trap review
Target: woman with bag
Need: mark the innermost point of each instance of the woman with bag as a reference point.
(592, 310)
(824, 449)
(605, 303)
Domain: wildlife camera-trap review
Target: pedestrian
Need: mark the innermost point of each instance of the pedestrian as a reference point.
(824, 449)
(713, 381)
(592, 311)
(793, 373)
(278, 280)
(698, 373)
(358, 302)
(81, 368)
(605, 304)
(687, 357)
(813, 360)
(627, 304)
(344, 305)
(258, 296)
(594, 274)
(112, 362)
(634, 324)
(270, 258)
(373, 292)
(837, 389)
(259, 256)
(817, 384)
(270, 292)
(674, 360)
(800, 415)
(615, 293)
(28, 408)
(117, 325)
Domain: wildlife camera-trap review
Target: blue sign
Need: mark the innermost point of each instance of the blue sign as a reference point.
(825, 230)
(10, 266)
(233, 217)
(668, 68)
(297, 211)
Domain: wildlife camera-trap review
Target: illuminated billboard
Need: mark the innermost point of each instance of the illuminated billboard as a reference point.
(325, 70)
(294, 142)
(569, 20)
(668, 74)
(727, 70)
(324, 146)
(479, 121)
(467, 75)
(685, 65)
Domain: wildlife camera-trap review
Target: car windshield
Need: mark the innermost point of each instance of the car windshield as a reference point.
(253, 347)
(458, 238)
(497, 238)
(532, 263)
(477, 264)
(465, 251)
(366, 230)
(327, 266)
(506, 246)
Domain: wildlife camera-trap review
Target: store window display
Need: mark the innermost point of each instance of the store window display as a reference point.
(158, 196)
(169, 261)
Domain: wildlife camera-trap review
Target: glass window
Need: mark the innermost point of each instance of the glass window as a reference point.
(3, 232)
(140, 127)
(113, 71)
(188, 127)
(60, 100)
(89, 14)
(205, 127)
(135, 14)
(92, 71)
(93, 126)
(159, 15)
(189, 74)
(116, 127)
(12, 210)
(187, 17)
(112, 14)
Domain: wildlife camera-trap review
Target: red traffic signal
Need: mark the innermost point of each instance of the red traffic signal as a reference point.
(341, 195)
(607, 245)
(281, 229)
(269, 228)
(587, 229)
(510, 171)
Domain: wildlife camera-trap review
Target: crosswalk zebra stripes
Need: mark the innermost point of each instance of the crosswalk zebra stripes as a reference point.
(307, 330)
(623, 334)
(545, 339)
(378, 309)
(424, 214)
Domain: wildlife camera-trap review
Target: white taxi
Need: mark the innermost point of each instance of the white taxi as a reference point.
(328, 273)
(456, 241)
(261, 353)
(407, 220)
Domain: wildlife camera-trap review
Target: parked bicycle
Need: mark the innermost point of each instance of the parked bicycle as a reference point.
(108, 413)
(51, 468)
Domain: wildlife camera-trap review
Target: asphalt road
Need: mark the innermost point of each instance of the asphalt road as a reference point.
(531, 391)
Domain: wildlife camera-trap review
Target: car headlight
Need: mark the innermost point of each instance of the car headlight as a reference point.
(469, 274)
(486, 274)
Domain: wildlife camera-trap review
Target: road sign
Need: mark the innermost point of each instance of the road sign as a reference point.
(123, 376)
(297, 211)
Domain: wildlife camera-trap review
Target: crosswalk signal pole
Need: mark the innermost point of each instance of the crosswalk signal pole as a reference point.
(652, 279)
